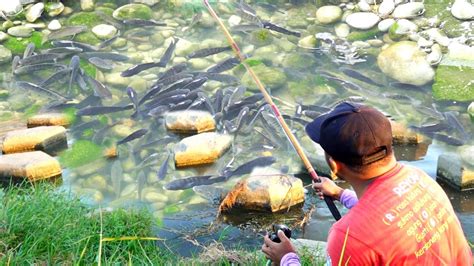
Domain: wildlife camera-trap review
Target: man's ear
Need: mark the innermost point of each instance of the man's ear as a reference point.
(333, 165)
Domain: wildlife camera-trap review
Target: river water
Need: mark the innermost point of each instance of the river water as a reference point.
(295, 76)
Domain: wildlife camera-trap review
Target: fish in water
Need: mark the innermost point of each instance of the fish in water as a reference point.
(174, 78)
(211, 193)
(105, 55)
(178, 68)
(55, 77)
(142, 22)
(72, 44)
(243, 115)
(135, 135)
(74, 66)
(29, 50)
(355, 74)
(224, 65)
(64, 32)
(100, 110)
(101, 63)
(132, 94)
(141, 181)
(208, 51)
(116, 174)
(245, 27)
(139, 68)
(15, 63)
(109, 42)
(164, 167)
(31, 86)
(37, 67)
(39, 58)
(453, 121)
(100, 89)
(247, 167)
(195, 83)
(63, 50)
(189, 182)
(450, 140)
(168, 53)
(246, 8)
(430, 128)
(274, 27)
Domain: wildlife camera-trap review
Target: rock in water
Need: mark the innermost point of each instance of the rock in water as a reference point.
(34, 12)
(104, 31)
(5, 55)
(133, 11)
(409, 10)
(328, 14)
(454, 172)
(190, 121)
(47, 139)
(147, 2)
(10, 7)
(34, 166)
(87, 5)
(20, 31)
(462, 9)
(405, 62)
(201, 149)
(386, 7)
(271, 77)
(266, 189)
(362, 20)
(49, 119)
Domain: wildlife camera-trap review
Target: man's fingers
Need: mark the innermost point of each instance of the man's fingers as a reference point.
(282, 236)
(268, 241)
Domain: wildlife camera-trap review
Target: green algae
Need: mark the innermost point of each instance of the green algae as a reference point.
(90, 69)
(18, 45)
(89, 19)
(133, 11)
(454, 82)
(363, 35)
(81, 153)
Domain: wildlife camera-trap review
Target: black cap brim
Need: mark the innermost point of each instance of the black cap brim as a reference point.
(313, 129)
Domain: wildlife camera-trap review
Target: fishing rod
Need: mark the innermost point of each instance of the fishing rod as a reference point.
(296, 145)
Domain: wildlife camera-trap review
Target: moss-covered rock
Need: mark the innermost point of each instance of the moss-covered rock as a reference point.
(89, 19)
(297, 61)
(453, 81)
(271, 77)
(5, 55)
(18, 45)
(82, 152)
(87, 37)
(364, 35)
(133, 11)
(261, 37)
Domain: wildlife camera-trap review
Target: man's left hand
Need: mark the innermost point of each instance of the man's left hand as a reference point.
(276, 251)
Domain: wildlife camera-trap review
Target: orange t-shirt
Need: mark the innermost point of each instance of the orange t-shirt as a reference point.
(403, 218)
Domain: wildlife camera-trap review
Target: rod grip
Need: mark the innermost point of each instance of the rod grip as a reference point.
(332, 207)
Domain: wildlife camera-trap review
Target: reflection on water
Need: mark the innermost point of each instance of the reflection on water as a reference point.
(305, 82)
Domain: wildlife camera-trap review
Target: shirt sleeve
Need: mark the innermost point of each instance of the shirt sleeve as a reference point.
(290, 259)
(348, 198)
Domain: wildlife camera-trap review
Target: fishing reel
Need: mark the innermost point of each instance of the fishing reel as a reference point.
(274, 235)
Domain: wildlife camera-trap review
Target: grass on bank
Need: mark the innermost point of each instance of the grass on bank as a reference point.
(38, 225)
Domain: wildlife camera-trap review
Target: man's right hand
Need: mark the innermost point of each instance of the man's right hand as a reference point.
(327, 187)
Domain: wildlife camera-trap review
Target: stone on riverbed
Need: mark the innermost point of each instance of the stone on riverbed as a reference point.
(405, 62)
(453, 80)
(104, 31)
(5, 55)
(34, 12)
(454, 171)
(266, 189)
(133, 11)
(328, 14)
(409, 10)
(204, 148)
(190, 121)
(362, 20)
(49, 119)
(47, 139)
(462, 9)
(33, 166)
(87, 5)
(402, 135)
(271, 77)
(20, 31)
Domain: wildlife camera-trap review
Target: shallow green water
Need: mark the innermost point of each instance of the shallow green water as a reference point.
(183, 216)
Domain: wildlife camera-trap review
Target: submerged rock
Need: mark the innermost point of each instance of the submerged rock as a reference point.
(133, 11)
(453, 80)
(87, 5)
(10, 7)
(309, 41)
(456, 173)
(34, 12)
(405, 62)
(104, 31)
(266, 189)
(328, 14)
(54, 9)
(402, 28)
(462, 9)
(5, 55)
(362, 20)
(271, 77)
(49, 119)
(54, 25)
(20, 31)
(48, 139)
(409, 10)
(147, 2)
(190, 121)
(204, 148)
(35, 165)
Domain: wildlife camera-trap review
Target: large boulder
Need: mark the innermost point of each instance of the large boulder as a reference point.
(271, 77)
(204, 148)
(47, 139)
(33, 166)
(453, 170)
(266, 189)
(405, 62)
(190, 121)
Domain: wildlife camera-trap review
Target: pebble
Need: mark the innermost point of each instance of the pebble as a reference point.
(5, 55)
(328, 14)
(55, 9)
(10, 7)
(104, 31)
(20, 31)
(234, 20)
(424, 43)
(342, 30)
(309, 41)
(362, 20)
(87, 5)
(363, 6)
(435, 56)
(199, 63)
(34, 12)
(361, 44)
(375, 43)
(54, 25)
(3, 36)
(409, 10)
(385, 24)
(386, 7)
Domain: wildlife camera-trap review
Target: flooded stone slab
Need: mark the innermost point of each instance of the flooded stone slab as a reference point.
(454, 172)
(402, 135)
(48, 119)
(35, 165)
(48, 139)
(190, 122)
(266, 189)
(201, 149)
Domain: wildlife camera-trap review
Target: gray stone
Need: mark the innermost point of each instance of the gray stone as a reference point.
(20, 31)
(34, 12)
(48, 139)
(328, 14)
(405, 62)
(386, 7)
(309, 41)
(11, 7)
(104, 31)
(87, 5)
(385, 24)
(3, 36)
(409, 10)
(5, 55)
(54, 25)
(54, 9)
(190, 121)
(33, 166)
(147, 2)
(133, 11)
(342, 30)
(462, 9)
(266, 189)
(453, 171)
(204, 148)
(362, 20)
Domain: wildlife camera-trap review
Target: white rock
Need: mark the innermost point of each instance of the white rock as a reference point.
(3, 36)
(462, 9)
(234, 20)
(363, 6)
(424, 43)
(405, 62)
(342, 30)
(435, 56)
(54, 25)
(386, 8)
(362, 20)
(385, 24)
(309, 41)
(20, 31)
(328, 14)
(360, 44)
(437, 35)
(460, 52)
(10, 7)
(87, 5)
(55, 9)
(104, 31)
(34, 12)
(405, 27)
(409, 10)
(147, 2)
(5, 55)
(397, 2)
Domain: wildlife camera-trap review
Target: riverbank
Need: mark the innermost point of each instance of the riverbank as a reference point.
(39, 225)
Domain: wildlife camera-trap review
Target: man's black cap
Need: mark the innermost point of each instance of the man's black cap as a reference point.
(352, 133)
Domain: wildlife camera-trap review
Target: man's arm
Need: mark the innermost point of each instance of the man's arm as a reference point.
(327, 187)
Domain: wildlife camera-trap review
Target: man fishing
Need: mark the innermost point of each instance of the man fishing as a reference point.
(398, 214)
